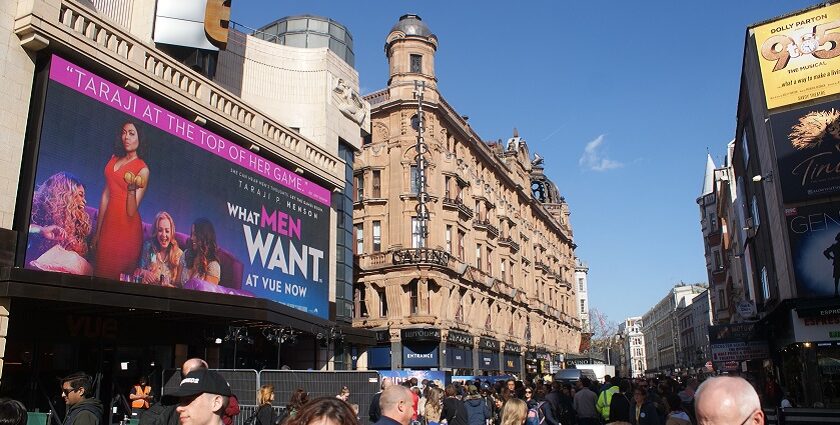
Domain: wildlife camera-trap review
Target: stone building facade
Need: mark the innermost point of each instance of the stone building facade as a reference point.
(660, 325)
(491, 281)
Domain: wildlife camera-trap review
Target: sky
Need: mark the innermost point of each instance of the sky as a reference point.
(622, 99)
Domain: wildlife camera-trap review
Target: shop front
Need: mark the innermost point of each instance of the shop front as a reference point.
(512, 358)
(488, 357)
(420, 348)
(811, 362)
(537, 362)
(379, 356)
(459, 353)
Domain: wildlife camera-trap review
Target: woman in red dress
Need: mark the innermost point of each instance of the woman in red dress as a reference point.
(119, 230)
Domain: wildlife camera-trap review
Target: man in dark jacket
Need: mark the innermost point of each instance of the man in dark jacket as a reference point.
(81, 410)
(477, 409)
(553, 399)
(395, 403)
(374, 411)
(620, 404)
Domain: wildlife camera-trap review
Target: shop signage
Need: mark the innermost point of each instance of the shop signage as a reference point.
(513, 363)
(806, 141)
(459, 358)
(746, 309)
(739, 351)
(225, 219)
(421, 335)
(833, 310)
(488, 344)
(420, 355)
(816, 328)
(512, 347)
(383, 337)
(735, 332)
(815, 247)
(460, 338)
(797, 56)
(583, 361)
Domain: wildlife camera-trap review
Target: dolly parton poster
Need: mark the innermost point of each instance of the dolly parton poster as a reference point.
(127, 190)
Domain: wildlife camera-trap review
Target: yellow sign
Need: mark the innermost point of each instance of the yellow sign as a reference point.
(798, 56)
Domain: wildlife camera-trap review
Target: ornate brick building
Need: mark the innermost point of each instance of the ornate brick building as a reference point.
(465, 257)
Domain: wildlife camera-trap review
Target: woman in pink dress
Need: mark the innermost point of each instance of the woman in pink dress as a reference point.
(119, 230)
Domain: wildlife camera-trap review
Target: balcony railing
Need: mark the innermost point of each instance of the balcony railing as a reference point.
(539, 265)
(485, 225)
(509, 242)
(456, 203)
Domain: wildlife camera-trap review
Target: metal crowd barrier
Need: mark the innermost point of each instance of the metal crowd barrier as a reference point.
(801, 416)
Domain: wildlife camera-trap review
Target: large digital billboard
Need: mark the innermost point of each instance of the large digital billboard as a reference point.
(798, 56)
(127, 190)
(807, 142)
(814, 233)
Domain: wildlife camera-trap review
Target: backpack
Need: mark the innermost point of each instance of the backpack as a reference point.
(535, 415)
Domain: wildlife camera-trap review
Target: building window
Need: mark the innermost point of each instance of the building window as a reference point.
(461, 236)
(713, 221)
(765, 284)
(377, 184)
(447, 183)
(489, 261)
(416, 236)
(478, 262)
(414, 183)
(416, 63)
(414, 293)
(478, 214)
(721, 299)
(361, 306)
(582, 306)
(581, 287)
(383, 302)
(504, 276)
(718, 263)
(360, 187)
(448, 245)
(377, 236)
(360, 239)
(745, 149)
(755, 217)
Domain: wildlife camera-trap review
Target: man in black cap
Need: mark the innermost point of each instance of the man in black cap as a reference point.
(203, 396)
(163, 412)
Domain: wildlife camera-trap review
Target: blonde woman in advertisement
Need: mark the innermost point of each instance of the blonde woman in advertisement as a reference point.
(160, 263)
(119, 230)
(60, 219)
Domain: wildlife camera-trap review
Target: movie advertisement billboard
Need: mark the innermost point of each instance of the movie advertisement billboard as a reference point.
(814, 233)
(807, 142)
(127, 190)
(798, 56)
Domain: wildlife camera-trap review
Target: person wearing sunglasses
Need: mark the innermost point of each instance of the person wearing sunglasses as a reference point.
(81, 410)
(727, 400)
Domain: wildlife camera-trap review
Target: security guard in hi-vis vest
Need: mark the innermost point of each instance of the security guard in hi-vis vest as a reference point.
(141, 398)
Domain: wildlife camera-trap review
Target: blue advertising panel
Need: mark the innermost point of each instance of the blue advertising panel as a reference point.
(513, 362)
(129, 191)
(379, 357)
(814, 232)
(441, 379)
(420, 355)
(488, 360)
(458, 358)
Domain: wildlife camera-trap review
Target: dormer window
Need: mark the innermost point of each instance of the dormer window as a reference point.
(416, 63)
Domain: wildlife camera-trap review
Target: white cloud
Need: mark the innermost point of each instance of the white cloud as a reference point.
(594, 159)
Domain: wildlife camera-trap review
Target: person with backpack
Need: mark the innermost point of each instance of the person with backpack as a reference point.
(540, 412)
(454, 412)
(477, 410)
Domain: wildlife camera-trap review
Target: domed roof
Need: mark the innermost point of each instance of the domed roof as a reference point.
(411, 24)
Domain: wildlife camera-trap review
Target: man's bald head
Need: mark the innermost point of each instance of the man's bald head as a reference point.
(727, 400)
(386, 382)
(193, 364)
(397, 403)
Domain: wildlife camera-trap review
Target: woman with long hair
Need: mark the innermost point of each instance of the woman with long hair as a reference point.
(296, 402)
(325, 411)
(434, 405)
(119, 230)
(514, 412)
(161, 258)
(201, 260)
(265, 412)
(58, 213)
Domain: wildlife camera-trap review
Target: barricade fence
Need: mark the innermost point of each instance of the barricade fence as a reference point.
(245, 384)
(801, 416)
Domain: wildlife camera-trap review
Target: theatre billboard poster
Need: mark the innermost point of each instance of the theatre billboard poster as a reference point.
(814, 233)
(807, 142)
(127, 190)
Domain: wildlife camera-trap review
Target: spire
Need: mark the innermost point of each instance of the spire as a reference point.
(709, 177)
(515, 132)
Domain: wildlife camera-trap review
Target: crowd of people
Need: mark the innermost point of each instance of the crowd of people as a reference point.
(721, 400)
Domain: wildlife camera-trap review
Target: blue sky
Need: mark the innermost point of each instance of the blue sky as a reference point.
(622, 99)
